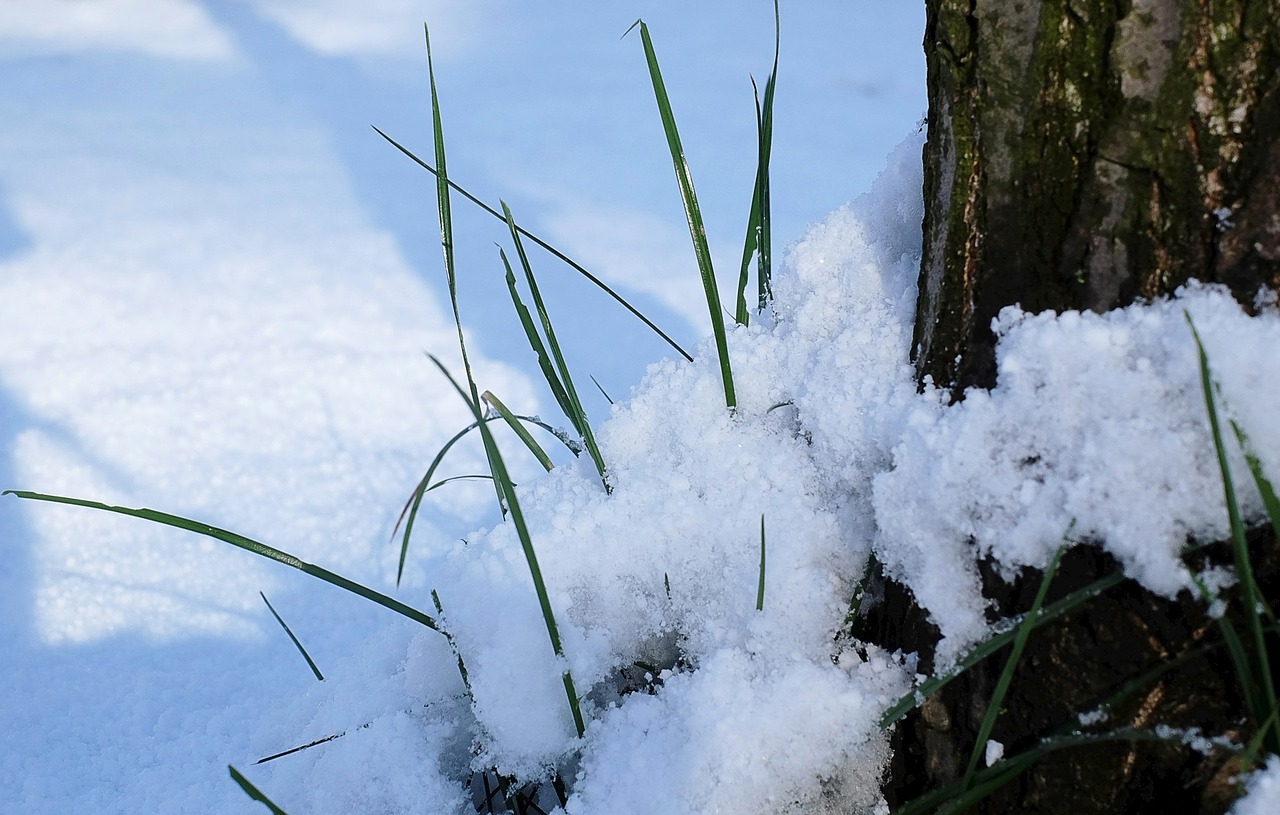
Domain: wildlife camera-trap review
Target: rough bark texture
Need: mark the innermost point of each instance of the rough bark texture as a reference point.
(1086, 154)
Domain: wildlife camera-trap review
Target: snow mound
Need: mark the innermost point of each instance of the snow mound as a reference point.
(696, 701)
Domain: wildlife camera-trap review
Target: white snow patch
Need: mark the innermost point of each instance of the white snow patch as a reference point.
(1261, 791)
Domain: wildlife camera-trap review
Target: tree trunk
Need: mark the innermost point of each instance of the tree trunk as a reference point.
(1086, 153)
(1083, 154)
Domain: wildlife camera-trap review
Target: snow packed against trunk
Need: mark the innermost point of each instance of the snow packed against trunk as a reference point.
(695, 701)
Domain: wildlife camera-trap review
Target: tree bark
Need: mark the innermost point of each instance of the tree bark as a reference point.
(1085, 154)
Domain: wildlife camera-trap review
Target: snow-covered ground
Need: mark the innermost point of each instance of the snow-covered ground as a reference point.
(211, 304)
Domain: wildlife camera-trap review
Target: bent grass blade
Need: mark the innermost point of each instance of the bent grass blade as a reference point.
(248, 544)
(554, 252)
(1049, 613)
(513, 422)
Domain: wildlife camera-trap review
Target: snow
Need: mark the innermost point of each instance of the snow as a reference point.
(1262, 790)
(139, 385)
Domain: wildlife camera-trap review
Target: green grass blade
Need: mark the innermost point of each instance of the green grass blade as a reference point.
(445, 212)
(955, 798)
(514, 423)
(574, 410)
(1048, 614)
(697, 229)
(554, 252)
(1265, 488)
(600, 388)
(503, 480)
(253, 792)
(453, 645)
(1239, 656)
(446, 223)
(1249, 593)
(1011, 664)
(760, 588)
(410, 511)
(535, 341)
(296, 642)
(758, 240)
(248, 544)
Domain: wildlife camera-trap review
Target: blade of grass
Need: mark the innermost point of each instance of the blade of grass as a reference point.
(554, 252)
(445, 212)
(453, 645)
(410, 511)
(1265, 488)
(296, 642)
(535, 340)
(1010, 665)
(514, 423)
(503, 480)
(758, 221)
(1249, 593)
(242, 542)
(760, 588)
(573, 405)
(849, 625)
(1236, 649)
(253, 792)
(697, 229)
(1048, 614)
(956, 799)
(600, 388)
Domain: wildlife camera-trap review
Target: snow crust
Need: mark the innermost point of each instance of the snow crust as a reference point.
(699, 703)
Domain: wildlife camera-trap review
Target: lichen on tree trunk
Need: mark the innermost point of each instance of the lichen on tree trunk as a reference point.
(1085, 153)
